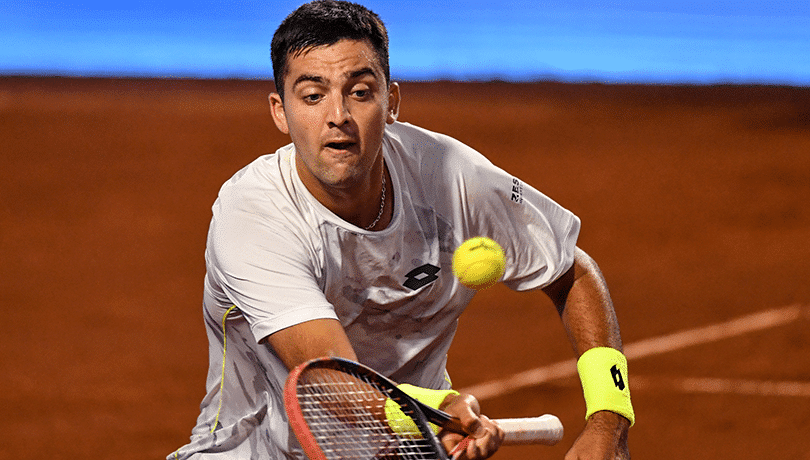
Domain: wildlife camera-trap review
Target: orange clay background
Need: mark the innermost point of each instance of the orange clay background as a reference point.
(695, 201)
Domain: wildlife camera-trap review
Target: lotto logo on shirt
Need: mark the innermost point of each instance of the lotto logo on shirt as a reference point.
(517, 190)
(421, 276)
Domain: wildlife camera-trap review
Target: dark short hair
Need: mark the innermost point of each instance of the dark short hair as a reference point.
(323, 23)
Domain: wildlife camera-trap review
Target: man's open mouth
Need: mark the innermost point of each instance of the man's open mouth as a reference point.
(340, 145)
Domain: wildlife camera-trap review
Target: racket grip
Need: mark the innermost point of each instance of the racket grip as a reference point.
(545, 429)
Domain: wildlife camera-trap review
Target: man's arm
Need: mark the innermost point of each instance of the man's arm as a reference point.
(326, 337)
(583, 302)
(309, 340)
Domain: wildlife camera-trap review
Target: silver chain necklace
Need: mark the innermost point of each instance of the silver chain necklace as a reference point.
(382, 204)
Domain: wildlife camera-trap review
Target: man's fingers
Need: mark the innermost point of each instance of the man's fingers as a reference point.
(465, 407)
(484, 435)
(474, 427)
(458, 451)
(488, 440)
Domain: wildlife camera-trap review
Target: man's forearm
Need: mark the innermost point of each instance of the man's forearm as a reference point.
(585, 307)
(586, 310)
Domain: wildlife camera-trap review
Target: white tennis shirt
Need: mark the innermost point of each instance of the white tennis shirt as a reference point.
(282, 258)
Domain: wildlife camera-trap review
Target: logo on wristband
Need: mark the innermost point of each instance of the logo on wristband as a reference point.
(617, 377)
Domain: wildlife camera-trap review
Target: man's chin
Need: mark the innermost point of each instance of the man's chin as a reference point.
(341, 181)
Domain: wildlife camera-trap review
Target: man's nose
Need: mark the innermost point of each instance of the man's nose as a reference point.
(339, 112)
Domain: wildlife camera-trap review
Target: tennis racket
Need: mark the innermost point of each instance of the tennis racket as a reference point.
(339, 409)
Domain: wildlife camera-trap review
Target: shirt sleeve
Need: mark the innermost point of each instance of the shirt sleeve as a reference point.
(538, 235)
(266, 266)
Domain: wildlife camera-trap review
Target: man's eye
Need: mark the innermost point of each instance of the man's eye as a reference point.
(311, 98)
(361, 93)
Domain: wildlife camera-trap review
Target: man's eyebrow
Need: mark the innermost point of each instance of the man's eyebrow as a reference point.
(319, 79)
(362, 72)
(306, 77)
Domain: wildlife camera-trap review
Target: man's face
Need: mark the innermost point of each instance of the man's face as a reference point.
(336, 104)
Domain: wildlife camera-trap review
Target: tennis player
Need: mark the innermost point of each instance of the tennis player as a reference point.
(340, 244)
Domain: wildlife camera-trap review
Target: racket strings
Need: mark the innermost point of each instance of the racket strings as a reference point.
(351, 417)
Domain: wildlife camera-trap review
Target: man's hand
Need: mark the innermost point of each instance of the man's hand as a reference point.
(485, 436)
(604, 438)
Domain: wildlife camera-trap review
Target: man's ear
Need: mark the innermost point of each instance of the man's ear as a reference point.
(277, 111)
(393, 102)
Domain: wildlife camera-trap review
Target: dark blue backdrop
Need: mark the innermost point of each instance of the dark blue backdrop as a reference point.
(694, 41)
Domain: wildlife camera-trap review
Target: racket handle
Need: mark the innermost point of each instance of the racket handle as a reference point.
(545, 429)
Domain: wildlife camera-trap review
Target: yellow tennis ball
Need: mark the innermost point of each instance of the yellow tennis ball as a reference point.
(479, 262)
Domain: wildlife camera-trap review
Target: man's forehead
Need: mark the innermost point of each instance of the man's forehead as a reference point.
(348, 58)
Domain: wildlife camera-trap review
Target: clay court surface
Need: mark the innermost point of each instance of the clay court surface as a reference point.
(695, 202)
